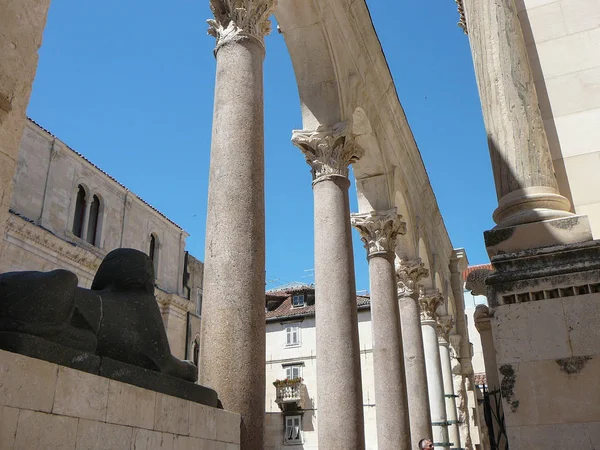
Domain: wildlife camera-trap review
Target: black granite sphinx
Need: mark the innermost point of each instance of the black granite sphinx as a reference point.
(114, 329)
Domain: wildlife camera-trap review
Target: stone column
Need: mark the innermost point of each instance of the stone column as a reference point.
(523, 170)
(22, 24)
(379, 231)
(462, 401)
(233, 327)
(429, 303)
(409, 273)
(482, 317)
(339, 398)
(445, 325)
(86, 217)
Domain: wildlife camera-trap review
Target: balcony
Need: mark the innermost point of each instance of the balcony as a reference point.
(289, 394)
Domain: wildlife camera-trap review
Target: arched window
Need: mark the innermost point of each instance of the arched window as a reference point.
(92, 229)
(79, 212)
(153, 253)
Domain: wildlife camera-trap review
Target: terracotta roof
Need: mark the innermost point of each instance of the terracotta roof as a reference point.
(480, 379)
(285, 310)
(95, 166)
(470, 269)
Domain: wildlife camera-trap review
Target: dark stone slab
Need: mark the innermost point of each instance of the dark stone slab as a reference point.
(155, 381)
(40, 348)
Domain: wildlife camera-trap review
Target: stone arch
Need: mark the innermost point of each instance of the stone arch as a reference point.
(423, 253)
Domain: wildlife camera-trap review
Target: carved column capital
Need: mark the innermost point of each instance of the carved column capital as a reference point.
(379, 231)
(408, 275)
(444, 326)
(328, 152)
(455, 345)
(475, 281)
(240, 19)
(429, 303)
(482, 318)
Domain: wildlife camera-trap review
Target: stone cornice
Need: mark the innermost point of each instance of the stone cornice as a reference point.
(408, 274)
(328, 152)
(462, 22)
(444, 326)
(379, 231)
(30, 233)
(240, 19)
(429, 303)
(165, 299)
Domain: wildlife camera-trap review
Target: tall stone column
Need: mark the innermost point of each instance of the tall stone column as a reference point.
(445, 325)
(523, 170)
(429, 303)
(482, 318)
(378, 231)
(22, 24)
(409, 273)
(233, 324)
(461, 397)
(339, 398)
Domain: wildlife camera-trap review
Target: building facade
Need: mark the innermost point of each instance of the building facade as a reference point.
(67, 213)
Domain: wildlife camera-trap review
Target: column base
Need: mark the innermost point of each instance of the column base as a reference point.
(565, 230)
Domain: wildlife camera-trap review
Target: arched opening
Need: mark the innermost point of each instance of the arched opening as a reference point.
(92, 230)
(79, 212)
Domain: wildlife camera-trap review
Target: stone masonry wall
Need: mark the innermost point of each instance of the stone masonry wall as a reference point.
(46, 406)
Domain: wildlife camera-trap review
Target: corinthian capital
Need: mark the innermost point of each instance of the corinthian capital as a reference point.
(429, 303)
(483, 317)
(444, 326)
(379, 231)
(328, 152)
(408, 274)
(240, 19)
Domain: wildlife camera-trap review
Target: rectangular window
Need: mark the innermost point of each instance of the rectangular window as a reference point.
(292, 372)
(298, 300)
(293, 430)
(292, 336)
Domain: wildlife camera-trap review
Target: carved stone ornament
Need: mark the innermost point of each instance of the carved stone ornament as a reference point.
(482, 317)
(328, 151)
(408, 274)
(379, 231)
(476, 281)
(240, 19)
(429, 303)
(444, 326)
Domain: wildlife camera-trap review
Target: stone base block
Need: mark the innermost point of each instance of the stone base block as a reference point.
(37, 347)
(566, 230)
(47, 406)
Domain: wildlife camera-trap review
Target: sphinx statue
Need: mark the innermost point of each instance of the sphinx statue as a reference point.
(117, 318)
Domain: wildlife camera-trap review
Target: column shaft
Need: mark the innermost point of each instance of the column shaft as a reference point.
(435, 383)
(416, 374)
(233, 316)
(451, 416)
(523, 170)
(339, 397)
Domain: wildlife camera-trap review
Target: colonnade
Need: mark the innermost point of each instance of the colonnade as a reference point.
(411, 375)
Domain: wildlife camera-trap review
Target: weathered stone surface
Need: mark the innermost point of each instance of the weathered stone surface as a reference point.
(151, 440)
(47, 431)
(27, 383)
(8, 426)
(131, 405)
(203, 422)
(92, 435)
(171, 415)
(80, 394)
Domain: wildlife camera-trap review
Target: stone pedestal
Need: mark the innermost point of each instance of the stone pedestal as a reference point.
(339, 398)
(379, 231)
(429, 303)
(445, 324)
(47, 406)
(409, 273)
(233, 325)
(22, 24)
(545, 333)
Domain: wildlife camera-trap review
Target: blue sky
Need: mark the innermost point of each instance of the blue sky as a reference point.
(130, 86)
